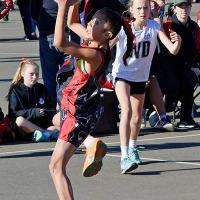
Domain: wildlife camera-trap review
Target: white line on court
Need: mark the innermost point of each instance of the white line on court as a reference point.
(32, 54)
(27, 151)
(160, 160)
(161, 138)
(108, 143)
(111, 155)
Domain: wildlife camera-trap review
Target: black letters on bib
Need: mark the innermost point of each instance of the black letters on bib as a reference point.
(144, 52)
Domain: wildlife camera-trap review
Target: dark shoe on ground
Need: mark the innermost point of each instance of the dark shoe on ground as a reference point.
(32, 37)
(188, 124)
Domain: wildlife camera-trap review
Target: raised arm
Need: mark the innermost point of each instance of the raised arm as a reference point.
(73, 22)
(173, 43)
(91, 56)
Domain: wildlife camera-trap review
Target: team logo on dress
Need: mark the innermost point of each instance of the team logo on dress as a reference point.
(147, 36)
(41, 101)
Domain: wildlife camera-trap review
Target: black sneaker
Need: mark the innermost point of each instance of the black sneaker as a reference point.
(188, 124)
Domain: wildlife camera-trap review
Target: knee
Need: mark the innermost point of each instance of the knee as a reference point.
(136, 119)
(54, 168)
(56, 120)
(20, 121)
(126, 112)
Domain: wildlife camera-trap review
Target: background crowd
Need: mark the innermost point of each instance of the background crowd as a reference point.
(172, 78)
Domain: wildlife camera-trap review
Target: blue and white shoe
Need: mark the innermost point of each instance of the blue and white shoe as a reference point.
(41, 136)
(134, 155)
(54, 135)
(127, 165)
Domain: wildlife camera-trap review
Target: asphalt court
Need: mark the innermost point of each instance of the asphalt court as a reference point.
(171, 168)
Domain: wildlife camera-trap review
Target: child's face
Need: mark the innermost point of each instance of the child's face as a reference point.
(140, 10)
(30, 75)
(97, 29)
(182, 12)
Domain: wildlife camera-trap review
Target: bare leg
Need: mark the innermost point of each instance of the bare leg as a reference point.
(62, 153)
(52, 128)
(156, 96)
(122, 90)
(137, 102)
(56, 120)
(26, 125)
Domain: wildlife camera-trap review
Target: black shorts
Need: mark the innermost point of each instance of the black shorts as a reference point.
(75, 128)
(135, 87)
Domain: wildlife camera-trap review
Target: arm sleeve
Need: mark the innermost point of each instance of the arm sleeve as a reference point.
(15, 109)
(8, 5)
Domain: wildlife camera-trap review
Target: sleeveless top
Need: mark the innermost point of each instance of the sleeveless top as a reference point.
(139, 63)
(83, 91)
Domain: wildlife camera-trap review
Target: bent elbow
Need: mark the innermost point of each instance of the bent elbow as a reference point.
(174, 51)
(58, 45)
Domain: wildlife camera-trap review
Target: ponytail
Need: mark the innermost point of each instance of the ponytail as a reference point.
(131, 39)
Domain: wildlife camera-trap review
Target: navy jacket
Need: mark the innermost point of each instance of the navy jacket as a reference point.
(26, 102)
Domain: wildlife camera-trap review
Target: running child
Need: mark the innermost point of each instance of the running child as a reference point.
(80, 105)
(131, 76)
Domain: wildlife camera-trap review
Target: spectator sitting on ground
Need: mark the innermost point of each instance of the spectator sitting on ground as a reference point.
(179, 77)
(29, 104)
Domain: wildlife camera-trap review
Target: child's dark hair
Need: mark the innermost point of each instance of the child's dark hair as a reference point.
(115, 22)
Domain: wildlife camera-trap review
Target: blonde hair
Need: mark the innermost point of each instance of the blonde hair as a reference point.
(130, 4)
(18, 78)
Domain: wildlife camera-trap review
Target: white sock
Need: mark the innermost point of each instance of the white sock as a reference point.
(88, 141)
(132, 143)
(124, 152)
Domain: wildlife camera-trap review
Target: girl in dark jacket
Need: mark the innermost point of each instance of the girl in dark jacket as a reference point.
(29, 102)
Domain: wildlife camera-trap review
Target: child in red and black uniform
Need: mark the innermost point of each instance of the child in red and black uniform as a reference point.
(81, 99)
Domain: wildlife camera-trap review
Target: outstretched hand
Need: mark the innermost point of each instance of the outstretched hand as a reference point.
(174, 37)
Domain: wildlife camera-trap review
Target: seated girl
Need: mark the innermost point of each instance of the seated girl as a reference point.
(29, 104)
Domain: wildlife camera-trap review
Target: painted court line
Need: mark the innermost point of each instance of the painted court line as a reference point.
(160, 160)
(161, 138)
(31, 54)
(108, 143)
(109, 155)
(27, 151)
